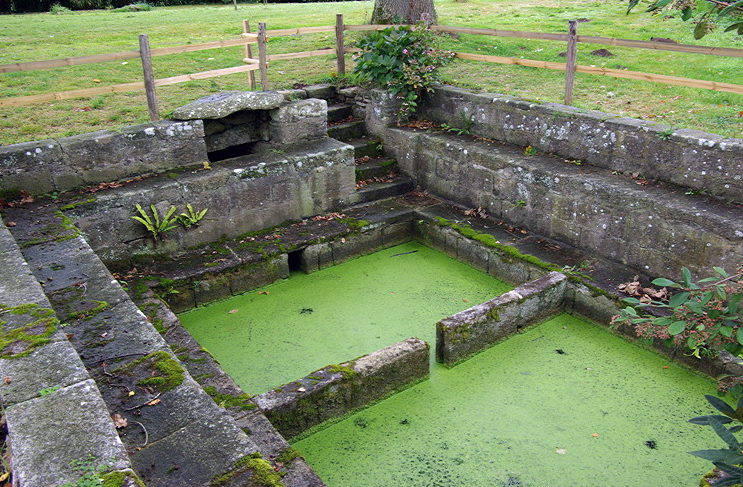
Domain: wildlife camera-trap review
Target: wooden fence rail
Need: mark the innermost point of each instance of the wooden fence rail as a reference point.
(250, 64)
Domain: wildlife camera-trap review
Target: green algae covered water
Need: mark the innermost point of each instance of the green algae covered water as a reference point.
(564, 404)
(285, 331)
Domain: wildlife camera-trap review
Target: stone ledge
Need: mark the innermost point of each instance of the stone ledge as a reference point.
(475, 329)
(336, 390)
(49, 433)
(104, 156)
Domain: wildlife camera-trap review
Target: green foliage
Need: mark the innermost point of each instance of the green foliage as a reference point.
(191, 218)
(90, 473)
(154, 224)
(134, 7)
(48, 390)
(404, 60)
(703, 316)
(531, 151)
(466, 125)
(730, 458)
(58, 9)
(666, 134)
(706, 15)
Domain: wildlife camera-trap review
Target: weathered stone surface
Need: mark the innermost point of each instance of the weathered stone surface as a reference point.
(87, 159)
(48, 433)
(481, 326)
(237, 129)
(301, 475)
(299, 120)
(687, 158)
(336, 390)
(656, 230)
(323, 91)
(243, 194)
(29, 166)
(53, 365)
(226, 103)
(194, 454)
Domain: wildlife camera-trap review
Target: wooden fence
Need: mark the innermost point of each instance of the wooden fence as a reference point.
(261, 63)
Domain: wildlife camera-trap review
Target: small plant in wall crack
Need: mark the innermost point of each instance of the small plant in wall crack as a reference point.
(531, 151)
(154, 224)
(191, 218)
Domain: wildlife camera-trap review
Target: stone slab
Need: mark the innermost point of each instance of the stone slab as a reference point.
(47, 434)
(54, 365)
(226, 103)
(475, 329)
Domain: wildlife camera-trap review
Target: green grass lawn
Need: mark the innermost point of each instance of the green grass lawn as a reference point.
(32, 37)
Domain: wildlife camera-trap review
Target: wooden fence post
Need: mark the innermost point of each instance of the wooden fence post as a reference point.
(340, 49)
(249, 54)
(570, 60)
(149, 77)
(262, 57)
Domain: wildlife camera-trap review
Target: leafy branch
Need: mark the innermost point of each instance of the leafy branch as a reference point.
(708, 14)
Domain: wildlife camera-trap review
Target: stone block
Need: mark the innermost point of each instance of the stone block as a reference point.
(356, 245)
(316, 257)
(255, 275)
(211, 288)
(221, 105)
(299, 120)
(301, 475)
(134, 151)
(54, 365)
(477, 328)
(335, 390)
(49, 433)
(29, 166)
(193, 455)
(322, 91)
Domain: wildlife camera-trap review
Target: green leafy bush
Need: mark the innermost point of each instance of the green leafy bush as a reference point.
(705, 317)
(404, 60)
(58, 9)
(728, 459)
(135, 7)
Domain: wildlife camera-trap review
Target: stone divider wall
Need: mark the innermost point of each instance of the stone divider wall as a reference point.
(687, 158)
(481, 326)
(336, 390)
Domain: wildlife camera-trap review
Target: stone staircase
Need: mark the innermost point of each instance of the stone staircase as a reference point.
(104, 365)
(377, 175)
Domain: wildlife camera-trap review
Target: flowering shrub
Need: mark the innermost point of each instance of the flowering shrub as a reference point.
(702, 316)
(404, 60)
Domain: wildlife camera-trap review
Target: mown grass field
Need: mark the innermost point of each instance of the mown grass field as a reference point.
(32, 37)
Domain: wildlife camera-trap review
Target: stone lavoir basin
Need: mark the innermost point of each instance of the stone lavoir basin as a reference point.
(565, 403)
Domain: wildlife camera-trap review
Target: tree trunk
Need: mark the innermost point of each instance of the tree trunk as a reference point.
(403, 11)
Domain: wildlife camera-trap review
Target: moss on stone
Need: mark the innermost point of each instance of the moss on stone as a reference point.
(21, 341)
(227, 401)
(353, 223)
(75, 204)
(171, 374)
(346, 371)
(88, 313)
(264, 474)
(118, 478)
(288, 455)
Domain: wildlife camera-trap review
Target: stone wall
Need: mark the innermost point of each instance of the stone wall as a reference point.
(653, 228)
(336, 390)
(109, 155)
(481, 326)
(242, 194)
(688, 158)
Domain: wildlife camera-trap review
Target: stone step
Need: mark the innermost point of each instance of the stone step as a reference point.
(346, 131)
(376, 167)
(338, 112)
(176, 434)
(367, 146)
(378, 191)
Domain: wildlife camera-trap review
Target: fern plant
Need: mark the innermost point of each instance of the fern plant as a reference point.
(154, 224)
(191, 218)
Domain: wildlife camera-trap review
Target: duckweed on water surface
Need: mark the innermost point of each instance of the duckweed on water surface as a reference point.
(329, 317)
(524, 414)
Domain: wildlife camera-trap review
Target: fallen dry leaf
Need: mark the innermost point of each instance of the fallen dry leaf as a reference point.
(595, 435)
(7, 380)
(119, 421)
(131, 393)
(11, 224)
(232, 311)
(154, 402)
(262, 292)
